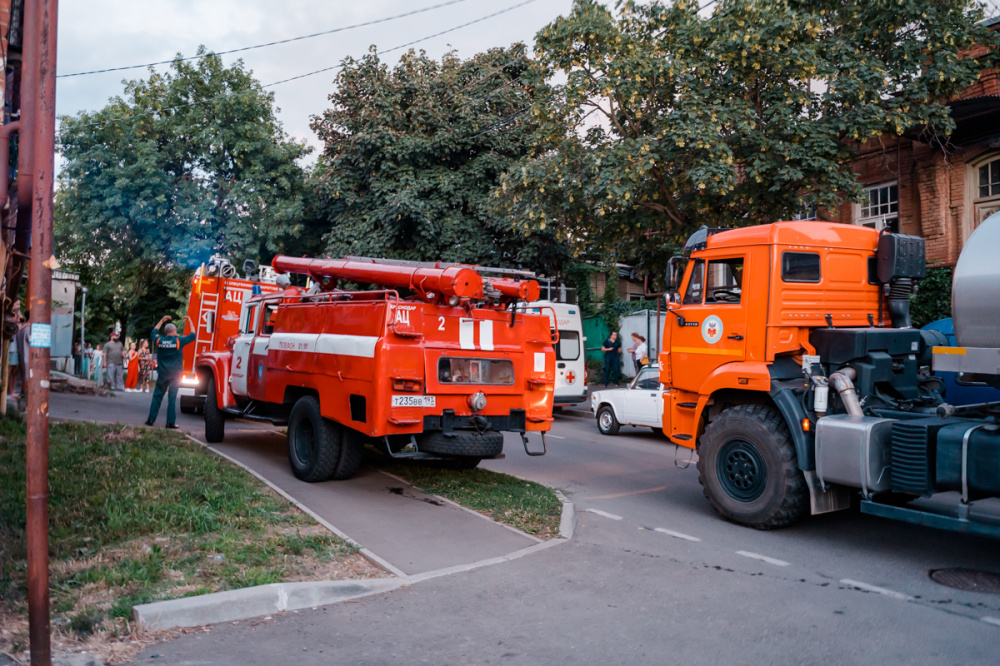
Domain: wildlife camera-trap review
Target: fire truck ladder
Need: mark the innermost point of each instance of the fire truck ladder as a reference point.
(207, 311)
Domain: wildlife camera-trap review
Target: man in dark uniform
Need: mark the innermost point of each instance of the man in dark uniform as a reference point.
(170, 365)
(612, 349)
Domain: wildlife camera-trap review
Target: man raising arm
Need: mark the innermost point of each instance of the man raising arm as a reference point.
(170, 364)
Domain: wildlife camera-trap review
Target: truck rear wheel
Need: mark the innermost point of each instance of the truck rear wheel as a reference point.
(352, 447)
(748, 470)
(313, 442)
(215, 420)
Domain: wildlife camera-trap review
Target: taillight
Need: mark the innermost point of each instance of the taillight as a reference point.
(411, 385)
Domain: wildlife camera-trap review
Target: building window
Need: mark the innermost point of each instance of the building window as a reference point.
(987, 201)
(880, 209)
(807, 209)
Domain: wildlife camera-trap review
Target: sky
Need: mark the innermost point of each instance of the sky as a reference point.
(101, 34)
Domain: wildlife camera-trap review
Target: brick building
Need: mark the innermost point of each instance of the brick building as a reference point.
(917, 187)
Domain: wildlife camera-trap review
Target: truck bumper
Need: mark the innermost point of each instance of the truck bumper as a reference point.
(448, 421)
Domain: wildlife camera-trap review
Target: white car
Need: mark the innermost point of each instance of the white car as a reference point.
(640, 404)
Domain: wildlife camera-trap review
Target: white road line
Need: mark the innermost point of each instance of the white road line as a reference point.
(762, 558)
(556, 437)
(605, 514)
(991, 620)
(678, 535)
(878, 590)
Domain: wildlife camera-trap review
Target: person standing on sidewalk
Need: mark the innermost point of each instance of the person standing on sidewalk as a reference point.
(97, 366)
(170, 362)
(612, 349)
(114, 362)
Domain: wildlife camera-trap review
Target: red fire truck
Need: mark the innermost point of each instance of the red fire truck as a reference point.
(217, 294)
(440, 371)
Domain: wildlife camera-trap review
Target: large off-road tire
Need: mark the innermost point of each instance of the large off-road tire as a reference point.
(606, 421)
(748, 470)
(313, 442)
(464, 444)
(352, 450)
(215, 420)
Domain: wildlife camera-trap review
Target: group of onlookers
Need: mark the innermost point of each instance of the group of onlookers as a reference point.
(121, 368)
(612, 349)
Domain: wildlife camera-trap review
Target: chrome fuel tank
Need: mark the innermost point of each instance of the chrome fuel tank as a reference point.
(975, 290)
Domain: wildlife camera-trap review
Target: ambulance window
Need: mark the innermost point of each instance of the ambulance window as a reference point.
(694, 291)
(800, 267)
(475, 371)
(270, 316)
(250, 315)
(724, 281)
(568, 348)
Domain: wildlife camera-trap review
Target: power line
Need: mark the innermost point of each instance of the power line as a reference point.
(274, 43)
(301, 76)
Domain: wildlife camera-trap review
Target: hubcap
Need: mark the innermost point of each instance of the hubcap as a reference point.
(606, 420)
(741, 470)
(305, 441)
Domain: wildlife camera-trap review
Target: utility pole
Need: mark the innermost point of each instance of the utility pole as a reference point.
(83, 326)
(38, 93)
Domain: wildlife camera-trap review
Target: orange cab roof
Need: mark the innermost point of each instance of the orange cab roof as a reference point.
(798, 233)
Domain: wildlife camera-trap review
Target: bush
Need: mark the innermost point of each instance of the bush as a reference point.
(933, 300)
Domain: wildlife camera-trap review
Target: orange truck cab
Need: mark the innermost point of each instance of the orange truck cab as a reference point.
(217, 295)
(790, 364)
(440, 373)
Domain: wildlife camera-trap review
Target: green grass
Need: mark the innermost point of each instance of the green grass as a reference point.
(526, 505)
(139, 515)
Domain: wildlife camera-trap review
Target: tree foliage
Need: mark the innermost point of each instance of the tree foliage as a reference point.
(670, 119)
(412, 155)
(184, 164)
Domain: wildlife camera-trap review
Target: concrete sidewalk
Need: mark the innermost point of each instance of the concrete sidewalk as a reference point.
(413, 532)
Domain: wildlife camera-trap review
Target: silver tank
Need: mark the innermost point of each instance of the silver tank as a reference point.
(975, 289)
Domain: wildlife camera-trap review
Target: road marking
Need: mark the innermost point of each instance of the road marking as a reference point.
(991, 620)
(631, 492)
(762, 558)
(678, 535)
(878, 590)
(556, 436)
(605, 514)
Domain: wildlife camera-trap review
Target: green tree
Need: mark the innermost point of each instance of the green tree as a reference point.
(184, 164)
(412, 155)
(669, 119)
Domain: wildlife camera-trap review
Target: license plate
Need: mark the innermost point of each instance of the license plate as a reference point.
(414, 401)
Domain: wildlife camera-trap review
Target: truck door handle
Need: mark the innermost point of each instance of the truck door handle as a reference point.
(560, 365)
(735, 337)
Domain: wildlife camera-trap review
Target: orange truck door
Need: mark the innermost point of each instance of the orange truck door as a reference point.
(256, 372)
(714, 327)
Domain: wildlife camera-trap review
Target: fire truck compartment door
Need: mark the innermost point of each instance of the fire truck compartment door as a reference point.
(241, 363)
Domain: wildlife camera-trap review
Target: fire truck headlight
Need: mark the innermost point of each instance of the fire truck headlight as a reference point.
(189, 380)
(477, 401)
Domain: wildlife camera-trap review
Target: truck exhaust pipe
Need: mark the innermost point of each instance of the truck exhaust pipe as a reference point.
(842, 382)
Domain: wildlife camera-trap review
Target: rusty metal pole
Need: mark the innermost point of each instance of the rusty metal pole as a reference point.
(40, 51)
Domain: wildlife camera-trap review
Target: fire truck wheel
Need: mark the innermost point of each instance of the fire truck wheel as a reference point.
(606, 421)
(313, 442)
(215, 420)
(748, 470)
(352, 449)
(465, 444)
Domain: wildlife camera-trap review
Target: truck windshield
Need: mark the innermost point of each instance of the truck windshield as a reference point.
(475, 371)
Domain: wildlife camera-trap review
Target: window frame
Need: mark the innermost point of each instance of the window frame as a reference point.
(819, 267)
(579, 346)
(708, 277)
(879, 220)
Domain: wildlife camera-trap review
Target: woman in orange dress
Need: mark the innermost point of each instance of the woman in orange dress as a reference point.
(132, 363)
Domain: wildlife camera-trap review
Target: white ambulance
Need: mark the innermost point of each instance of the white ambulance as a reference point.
(571, 362)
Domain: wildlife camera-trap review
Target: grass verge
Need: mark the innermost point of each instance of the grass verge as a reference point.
(140, 515)
(526, 505)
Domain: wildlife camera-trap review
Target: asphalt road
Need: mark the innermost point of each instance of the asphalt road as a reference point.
(652, 575)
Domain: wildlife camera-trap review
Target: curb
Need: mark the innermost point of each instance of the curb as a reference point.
(256, 601)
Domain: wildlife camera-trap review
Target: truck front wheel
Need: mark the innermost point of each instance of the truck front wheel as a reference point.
(313, 442)
(215, 420)
(748, 470)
